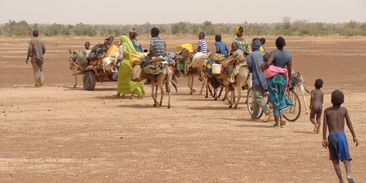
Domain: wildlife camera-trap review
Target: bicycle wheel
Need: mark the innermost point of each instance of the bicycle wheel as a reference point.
(292, 113)
(250, 104)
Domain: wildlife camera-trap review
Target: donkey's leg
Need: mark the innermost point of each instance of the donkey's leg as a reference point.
(238, 90)
(156, 94)
(75, 76)
(168, 87)
(153, 93)
(204, 82)
(230, 97)
(208, 89)
(190, 80)
(215, 94)
(161, 93)
(226, 93)
(222, 88)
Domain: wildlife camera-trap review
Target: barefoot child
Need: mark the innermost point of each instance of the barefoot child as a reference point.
(334, 119)
(316, 105)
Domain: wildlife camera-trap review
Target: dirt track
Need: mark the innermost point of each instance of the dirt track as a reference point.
(61, 134)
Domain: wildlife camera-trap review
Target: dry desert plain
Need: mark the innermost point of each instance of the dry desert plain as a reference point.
(61, 134)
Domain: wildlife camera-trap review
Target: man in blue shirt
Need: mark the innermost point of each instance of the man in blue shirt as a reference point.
(255, 60)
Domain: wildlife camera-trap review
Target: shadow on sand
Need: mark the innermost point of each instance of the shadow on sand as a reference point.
(304, 132)
(146, 106)
(256, 125)
(209, 108)
(95, 90)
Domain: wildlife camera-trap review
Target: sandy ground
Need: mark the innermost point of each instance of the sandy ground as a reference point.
(60, 134)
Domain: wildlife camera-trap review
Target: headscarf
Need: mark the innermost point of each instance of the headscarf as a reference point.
(256, 45)
(237, 30)
(128, 45)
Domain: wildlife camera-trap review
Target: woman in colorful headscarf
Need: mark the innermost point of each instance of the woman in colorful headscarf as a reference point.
(133, 34)
(240, 41)
(125, 85)
(277, 84)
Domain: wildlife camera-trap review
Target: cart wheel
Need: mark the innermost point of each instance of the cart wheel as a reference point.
(89, 80)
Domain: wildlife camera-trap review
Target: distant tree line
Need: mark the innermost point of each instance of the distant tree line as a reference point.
(286, 27)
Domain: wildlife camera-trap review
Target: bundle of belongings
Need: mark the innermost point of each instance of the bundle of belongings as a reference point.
(81, 59)
(224, 70)
(143, 65)
(98, 50)
(184, 56)
(155, 66)
(101, 58)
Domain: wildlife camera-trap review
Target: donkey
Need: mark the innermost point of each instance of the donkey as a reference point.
(196, 68)
(241, 79)
(157, 82)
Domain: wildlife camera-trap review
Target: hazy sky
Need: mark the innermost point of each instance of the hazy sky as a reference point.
(169, 11)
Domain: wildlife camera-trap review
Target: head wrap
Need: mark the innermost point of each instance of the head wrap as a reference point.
(127, 45)
(237, 30)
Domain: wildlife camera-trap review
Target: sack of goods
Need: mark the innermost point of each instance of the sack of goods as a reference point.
(135, 59)
(188, 47)
(156, 66)
(81, 59)
(108, 63)
(136, 73)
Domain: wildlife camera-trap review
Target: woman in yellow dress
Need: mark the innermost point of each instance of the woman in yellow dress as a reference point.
(125, 85)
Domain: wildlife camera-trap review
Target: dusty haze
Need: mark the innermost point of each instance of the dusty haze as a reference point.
(137, 12)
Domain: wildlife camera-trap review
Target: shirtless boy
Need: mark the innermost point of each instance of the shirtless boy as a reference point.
(334, 119)
(316, 105)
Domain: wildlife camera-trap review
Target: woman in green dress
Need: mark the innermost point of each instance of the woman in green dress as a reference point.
(125, 85)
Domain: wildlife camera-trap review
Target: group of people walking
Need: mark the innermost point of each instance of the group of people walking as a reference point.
(270, 72)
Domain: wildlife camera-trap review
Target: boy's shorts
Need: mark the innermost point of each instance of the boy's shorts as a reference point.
(338, 146)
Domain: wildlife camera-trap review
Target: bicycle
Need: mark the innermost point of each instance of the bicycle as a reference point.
(290, 114)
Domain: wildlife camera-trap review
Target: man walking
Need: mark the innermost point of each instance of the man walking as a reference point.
(255, 60)
(36, 50)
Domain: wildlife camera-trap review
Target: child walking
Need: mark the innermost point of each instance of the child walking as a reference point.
(334, 119)
(316, 105)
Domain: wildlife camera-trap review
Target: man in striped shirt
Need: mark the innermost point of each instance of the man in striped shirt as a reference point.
(202, 43)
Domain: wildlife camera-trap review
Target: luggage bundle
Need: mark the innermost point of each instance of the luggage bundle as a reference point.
(156, 66)
(143, 66)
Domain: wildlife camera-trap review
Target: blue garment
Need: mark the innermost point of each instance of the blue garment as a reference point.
(281, 58)
(338, 146)
(255, 60)
(222, 48)
(277, 89)
(137, 45)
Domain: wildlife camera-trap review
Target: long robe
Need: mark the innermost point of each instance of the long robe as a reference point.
(125, 85)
